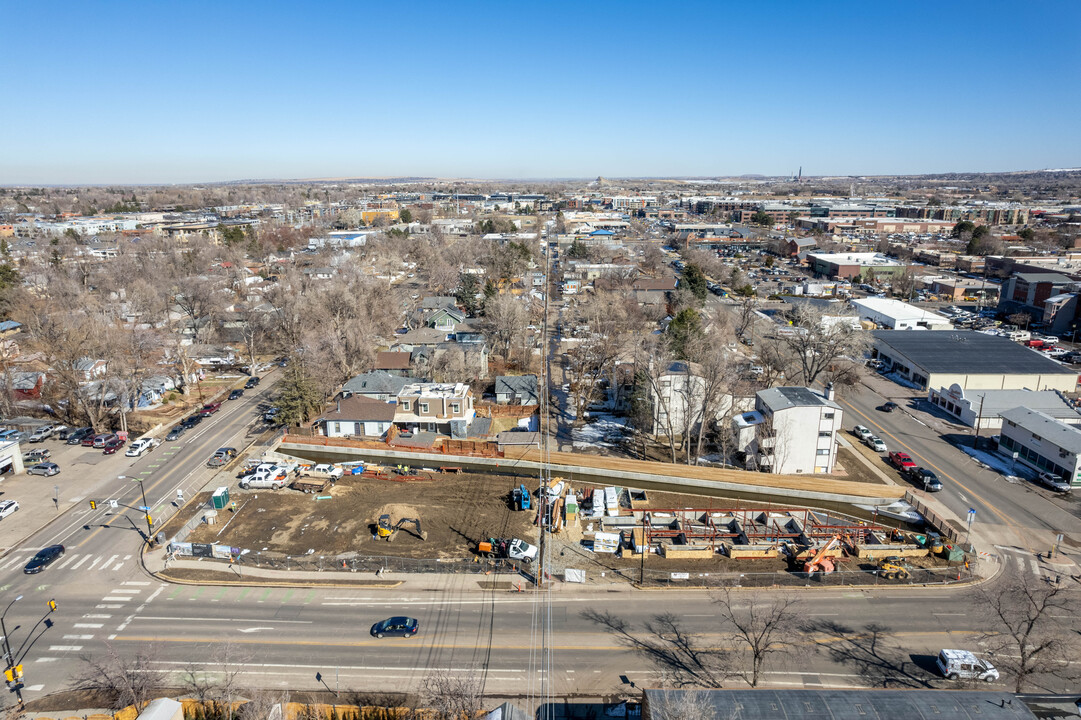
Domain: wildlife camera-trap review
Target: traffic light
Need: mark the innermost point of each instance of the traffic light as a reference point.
(52, 605)
(93, 504)
(149, 520)
(13, 673)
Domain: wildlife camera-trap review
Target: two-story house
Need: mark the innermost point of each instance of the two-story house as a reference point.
(445, 408)
(791, 430)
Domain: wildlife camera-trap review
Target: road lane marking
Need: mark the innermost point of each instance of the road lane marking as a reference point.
(122, 598)
(238, 620)
(108, 606)
(136, 582)
(65, 648)
(93, 626)
(46, 659)
(125, 592)
(97, 617)
(78, 637)
(67, 562)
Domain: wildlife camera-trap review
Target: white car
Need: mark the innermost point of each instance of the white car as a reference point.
(861, 432)
(141, 446)
(7, 507)
(876, 444)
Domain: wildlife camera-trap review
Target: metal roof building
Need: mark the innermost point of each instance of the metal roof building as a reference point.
(969, 359)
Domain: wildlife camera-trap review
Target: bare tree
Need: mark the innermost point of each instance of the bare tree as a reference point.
(1023, 632)
(505, 320)
(216, 685)
(748, 313)
(452, 696)
(763, 625)
(684, 705)
(815, 343)
(124, 679)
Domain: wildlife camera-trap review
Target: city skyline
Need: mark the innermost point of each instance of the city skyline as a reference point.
(134, 94)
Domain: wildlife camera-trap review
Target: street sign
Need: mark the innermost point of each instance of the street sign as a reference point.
(114, 504)
(144, 508)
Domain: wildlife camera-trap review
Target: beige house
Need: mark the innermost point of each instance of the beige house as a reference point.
(445, 408)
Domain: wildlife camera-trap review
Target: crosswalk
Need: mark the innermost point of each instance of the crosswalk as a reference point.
(1026, 563)
(97, 562)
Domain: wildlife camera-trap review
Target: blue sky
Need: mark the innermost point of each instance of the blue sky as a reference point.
(119, 92)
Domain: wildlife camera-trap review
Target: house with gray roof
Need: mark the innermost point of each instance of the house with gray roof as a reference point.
(516, 390)
(377, 385)
(1041, 442)
(357, 415)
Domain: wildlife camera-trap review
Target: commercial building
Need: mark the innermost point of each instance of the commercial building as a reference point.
(982, 409)
(970, 360)
(792, 430)
(896, 315)
(850, 265)
(1041, 442)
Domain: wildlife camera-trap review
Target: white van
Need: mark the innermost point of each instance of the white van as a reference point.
(1019, 335)
(963, 665)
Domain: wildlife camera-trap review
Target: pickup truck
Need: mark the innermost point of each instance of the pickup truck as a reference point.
(210, 408)
(323, 470)
(902, 461)
(511, 548)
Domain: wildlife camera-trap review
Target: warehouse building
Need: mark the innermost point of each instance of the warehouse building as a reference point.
(896, 315)
(983, 408)
(971, 360)
(852, 264)
(1041, 442)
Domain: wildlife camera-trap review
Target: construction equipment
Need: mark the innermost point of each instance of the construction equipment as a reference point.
(892, 568)
(512, 548)
(521, 498)
(819, 562)
(386, 530)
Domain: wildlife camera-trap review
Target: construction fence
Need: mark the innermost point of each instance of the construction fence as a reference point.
(378, 564)
(796, 580)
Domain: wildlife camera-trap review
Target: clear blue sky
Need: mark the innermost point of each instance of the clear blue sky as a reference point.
(125, 92)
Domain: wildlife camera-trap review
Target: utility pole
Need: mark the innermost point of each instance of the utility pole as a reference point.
(146, 510)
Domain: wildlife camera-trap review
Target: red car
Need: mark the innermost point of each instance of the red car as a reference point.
(902, 461)
(112, 446)
(210, 408)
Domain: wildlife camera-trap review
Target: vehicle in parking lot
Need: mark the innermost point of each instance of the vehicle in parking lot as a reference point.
(252, 382)
(902, 460)
(236, 394)
(963, 665)
(210, 408)
(41, 433)
(141, 446)
(113, 445)
(47, 469)
(43, 559)
(1053, 482)
(77, 436)
(270, 414)
(926, 479)
(861, 432)
(876, 444)
(7, 507)
(99, 442)
(61, 432)
(36, 455)
(400, 626)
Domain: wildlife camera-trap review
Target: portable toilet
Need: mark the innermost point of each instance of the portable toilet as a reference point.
(220, 498)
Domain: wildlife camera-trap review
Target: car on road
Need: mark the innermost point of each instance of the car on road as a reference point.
(111, 447)
(192, 420)
(176, 432)
(236, 394)
(902, 461)
(1053, 482)
(876, 444)
(399, 626)
(252, 382)
(141, 446)
(77, 436)
(41, 434)
(963, 665)
(861, 432)
(43, 559)
(926, 479)
(47, 469)
(7, 507)
(210, 408)
(888, 406)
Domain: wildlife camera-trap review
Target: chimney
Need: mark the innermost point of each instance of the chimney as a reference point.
(339, 406)
(831, 394)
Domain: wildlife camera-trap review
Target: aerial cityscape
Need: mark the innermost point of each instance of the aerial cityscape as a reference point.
(363, 362)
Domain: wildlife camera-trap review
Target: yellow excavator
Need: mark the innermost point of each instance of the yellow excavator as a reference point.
(387, 530)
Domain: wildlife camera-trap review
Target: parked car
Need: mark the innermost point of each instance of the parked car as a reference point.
(176, 432)
(861, 432)
(113, 445)
(100, 441)
(8, 507)
(902, 461)
(192, 420)
(926, 479)
(61, 432)
(236, 394)
(47, 469)
(876, 444)
(37, 455)
(252, 382)
(1053, 482)
(76, 436)
(43, 559)
(270, 414)
(41, 434)
(210, 408)
(141, 446)
(963, 665)
(405, 627)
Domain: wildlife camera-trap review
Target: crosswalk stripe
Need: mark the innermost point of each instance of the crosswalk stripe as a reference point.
(85, 558)
(65, 648)
(68, 561)
(96, 561)
(1035, 567)
(109, 562)
(78, 637)
(136, 582)
(90, 626)
(12, 563)
(125, 592)
(119, 598)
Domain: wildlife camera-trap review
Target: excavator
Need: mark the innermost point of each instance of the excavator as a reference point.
(819, 562)
(386, 530)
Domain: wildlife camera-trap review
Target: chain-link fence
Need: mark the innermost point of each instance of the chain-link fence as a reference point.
(781, 578)
(351, 562)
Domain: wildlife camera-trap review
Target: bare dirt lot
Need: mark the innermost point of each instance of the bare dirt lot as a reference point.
(454, 510)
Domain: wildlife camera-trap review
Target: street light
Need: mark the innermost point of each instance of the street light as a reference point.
(145, 508)
(9, 661)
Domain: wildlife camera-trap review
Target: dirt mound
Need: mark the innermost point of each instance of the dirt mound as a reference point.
(397, 511)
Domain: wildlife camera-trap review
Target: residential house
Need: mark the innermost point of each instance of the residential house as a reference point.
(791, 430)
(516, 390)
(445, 319)
(376, 385)
(438, 302)
(212, 355)
(392, 362)
(358, 415)
(25, 385)
(90, 368)
(674, 399)
(445, 408)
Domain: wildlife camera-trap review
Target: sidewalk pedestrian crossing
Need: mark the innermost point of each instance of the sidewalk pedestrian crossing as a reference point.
(98, 562)
(1028, 563)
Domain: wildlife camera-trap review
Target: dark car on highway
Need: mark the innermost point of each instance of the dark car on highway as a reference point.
(888, 407)
(191, 421)
(236, 394)
(396, 627)
(252, 382)
(43, 559)
(176, 432)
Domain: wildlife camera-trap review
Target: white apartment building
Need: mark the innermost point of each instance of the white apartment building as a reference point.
(792, 430)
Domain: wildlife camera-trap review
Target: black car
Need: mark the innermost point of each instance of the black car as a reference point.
(926, 479)
(192, 420)
(76, 437)
(176, 432)
(44, 559)
(888, 407)
(396, 627)
(252, 382)
(236, 394)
